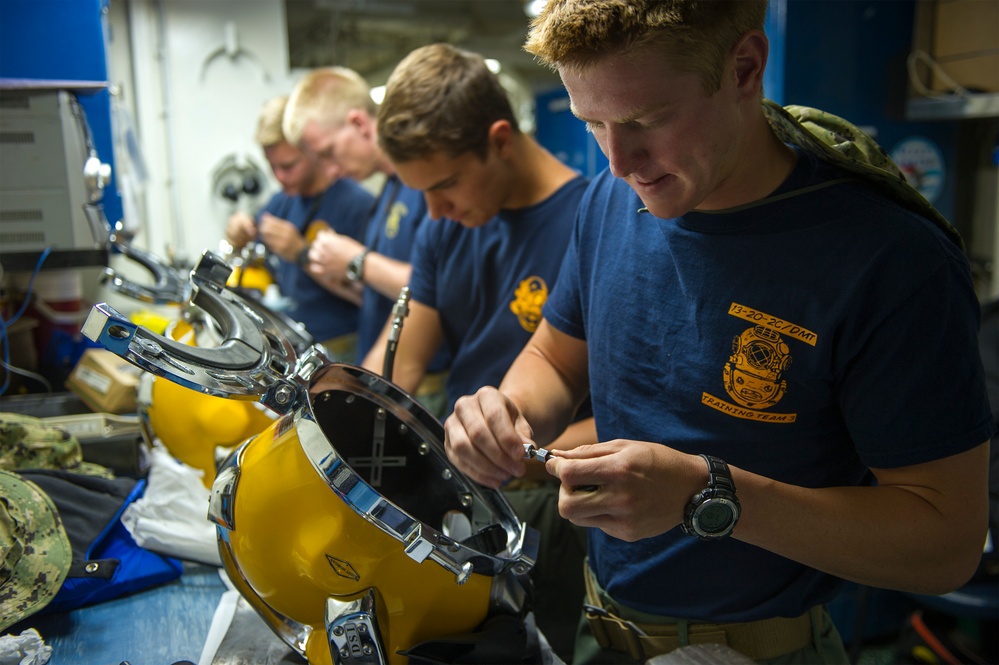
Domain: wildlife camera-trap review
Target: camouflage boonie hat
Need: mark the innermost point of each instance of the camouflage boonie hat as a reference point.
(34, 550)
(839, 142)
(27, 442)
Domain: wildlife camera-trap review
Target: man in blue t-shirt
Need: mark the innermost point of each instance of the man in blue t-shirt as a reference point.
(780, 350)
(309, 201)
(331, 116)
(502, 210)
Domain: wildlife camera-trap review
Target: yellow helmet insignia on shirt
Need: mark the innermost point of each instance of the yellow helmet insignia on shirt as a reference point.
(529, 298)
(753, 373)
(392, 223)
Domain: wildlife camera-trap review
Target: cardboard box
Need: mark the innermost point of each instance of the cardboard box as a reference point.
(962, 38)
(105, 382)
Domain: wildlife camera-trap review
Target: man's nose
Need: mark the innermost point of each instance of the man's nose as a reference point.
(285, 180)
(437, 205)
(331, 168)
(623, 152)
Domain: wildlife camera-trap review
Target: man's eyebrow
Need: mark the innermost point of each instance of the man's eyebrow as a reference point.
(573, 111)
(440, 184)
(635, 114)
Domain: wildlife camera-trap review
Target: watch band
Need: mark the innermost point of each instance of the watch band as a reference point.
(302, 258)
(718, 474)
(713, 512)
(355, 269)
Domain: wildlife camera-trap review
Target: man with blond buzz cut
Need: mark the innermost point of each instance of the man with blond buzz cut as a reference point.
(778, 340)
(309, 202)
(331, 116)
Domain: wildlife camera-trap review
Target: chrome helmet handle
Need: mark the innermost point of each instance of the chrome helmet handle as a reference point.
(170, 285)
(254, 360)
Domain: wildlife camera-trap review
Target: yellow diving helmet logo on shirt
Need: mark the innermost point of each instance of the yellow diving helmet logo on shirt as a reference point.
(753, 372)
(314, 228)
(396, 213)
(528, 300)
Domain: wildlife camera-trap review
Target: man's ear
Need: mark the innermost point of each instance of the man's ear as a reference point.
(361, 121)
(501, 136)
(750, 56)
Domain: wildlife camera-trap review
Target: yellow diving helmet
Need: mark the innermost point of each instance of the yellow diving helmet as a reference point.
(191, 425)
(250, 270)
(343, 524)
(384, 545)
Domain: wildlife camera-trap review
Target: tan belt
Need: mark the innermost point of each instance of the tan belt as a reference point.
(432, 383)
(759, 640)
(344, 346)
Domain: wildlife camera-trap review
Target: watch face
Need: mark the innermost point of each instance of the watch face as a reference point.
(714, 516)
(354, 269)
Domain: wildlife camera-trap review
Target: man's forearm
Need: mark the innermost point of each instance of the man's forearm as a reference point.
(921, 532)
(544, 396)
(385, 275)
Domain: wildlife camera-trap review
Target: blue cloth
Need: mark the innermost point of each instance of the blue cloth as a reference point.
(343, 207)
(489, 283)
(90, 508)
(805, 339)
(391, 232)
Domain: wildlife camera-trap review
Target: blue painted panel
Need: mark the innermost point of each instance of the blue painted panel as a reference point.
(564, 135)
(848, 57)
(776, 29)
(51, 39)
(63, 40)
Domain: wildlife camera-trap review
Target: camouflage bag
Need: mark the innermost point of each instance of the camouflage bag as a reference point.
(27, 442)
(837, 141)
(35, 552)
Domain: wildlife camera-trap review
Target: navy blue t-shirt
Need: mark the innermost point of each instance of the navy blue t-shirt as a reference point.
(805, 339)
(488, 284)
(391, 232)
(343, 207)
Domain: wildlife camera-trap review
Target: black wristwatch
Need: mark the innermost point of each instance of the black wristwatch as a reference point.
(302, 258)
(713, 512)
(355, 269)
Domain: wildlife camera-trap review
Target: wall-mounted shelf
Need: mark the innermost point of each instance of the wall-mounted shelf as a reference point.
(953, 107)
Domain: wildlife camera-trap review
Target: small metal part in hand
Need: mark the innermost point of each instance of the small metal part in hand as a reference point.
(533, 452)
(543, 455)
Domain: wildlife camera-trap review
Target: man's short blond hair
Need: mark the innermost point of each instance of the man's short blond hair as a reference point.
(694, 35)
(269, 122)
(326, 95)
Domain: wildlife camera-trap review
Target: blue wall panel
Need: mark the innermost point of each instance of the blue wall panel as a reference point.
(848, 57)
(776, 29)
(564, 135)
